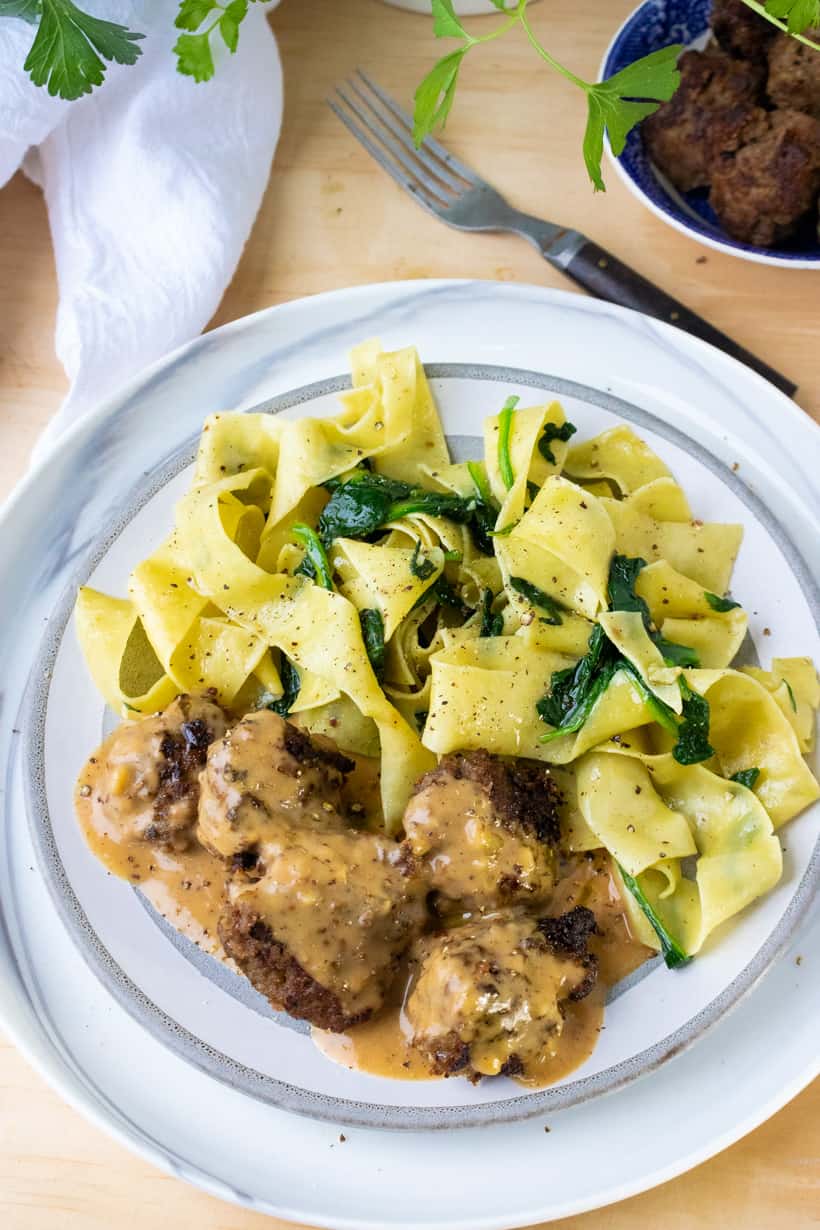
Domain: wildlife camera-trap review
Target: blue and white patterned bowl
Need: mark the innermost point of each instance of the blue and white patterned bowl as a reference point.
(653, 25)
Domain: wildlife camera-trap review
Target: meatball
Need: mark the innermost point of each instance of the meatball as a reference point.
(146, 774)
(319, 920)
(794, 75)
(761, 193)
(740, 31)
(484, 830)
(489, 998)
(262, 770)
(713, 111)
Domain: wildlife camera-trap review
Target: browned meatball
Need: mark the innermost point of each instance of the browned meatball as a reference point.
(265, 769)
(484, 830)
(762, 192)
(740, 31)
(319, 921)
(145, 777)
(713, 111)
(794, 75)
(489, 998)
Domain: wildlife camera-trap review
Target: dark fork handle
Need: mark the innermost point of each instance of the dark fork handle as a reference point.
(603, 275)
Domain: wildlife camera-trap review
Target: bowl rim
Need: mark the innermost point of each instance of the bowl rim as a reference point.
(747, 252)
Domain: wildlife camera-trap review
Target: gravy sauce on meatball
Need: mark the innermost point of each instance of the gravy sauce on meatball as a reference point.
(136, 801)
(472, 946)
(485, 831)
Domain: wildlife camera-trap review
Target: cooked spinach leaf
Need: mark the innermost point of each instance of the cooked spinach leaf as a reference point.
(420, 566)
(362, 503)
(693, 744)
(291, 684)
(673, 954)
(791, 694)
(574, 690)
(663, 714)
(486, 510)
(315, 563)
(445, 595)
(421, 718)
(505, 420)
(674, 654)
(746, 777)
(491, 625)
(550, 435)
(373, 636)
(623, 574)
(539, 599)
(720, 604)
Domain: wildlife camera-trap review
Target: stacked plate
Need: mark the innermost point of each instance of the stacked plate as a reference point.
(182, 1060)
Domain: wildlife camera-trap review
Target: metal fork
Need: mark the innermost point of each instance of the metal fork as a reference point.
(449, 190)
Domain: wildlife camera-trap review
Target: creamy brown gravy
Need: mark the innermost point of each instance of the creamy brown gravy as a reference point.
(469, 852)
(382, 1046)
(186, 887)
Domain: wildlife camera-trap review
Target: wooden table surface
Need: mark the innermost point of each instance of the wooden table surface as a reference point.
(330, 219)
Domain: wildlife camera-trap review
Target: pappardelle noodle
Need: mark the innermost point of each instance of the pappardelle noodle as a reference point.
(554, 600)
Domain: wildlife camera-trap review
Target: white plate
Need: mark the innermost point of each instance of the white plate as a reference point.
(72, 500)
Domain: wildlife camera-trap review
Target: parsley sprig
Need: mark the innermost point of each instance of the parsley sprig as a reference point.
(793, 17)
(70, 49)
(614, 105)
(193, 49)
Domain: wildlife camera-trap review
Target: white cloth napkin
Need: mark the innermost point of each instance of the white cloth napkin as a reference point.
(152, 184)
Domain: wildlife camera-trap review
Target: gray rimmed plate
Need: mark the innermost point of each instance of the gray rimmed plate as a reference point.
(212, 1017)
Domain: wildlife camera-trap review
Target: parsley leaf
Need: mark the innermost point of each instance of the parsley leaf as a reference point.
(551, 433)
(445, 22)
(26, 10)
(746, 777)
(720, 604)
(434, 95)
(193, 50)
(613, 106)
(67, 49)
(192, 13)
(799, 15)
(194, 58)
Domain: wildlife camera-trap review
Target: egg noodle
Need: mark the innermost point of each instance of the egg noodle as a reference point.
(555, 601)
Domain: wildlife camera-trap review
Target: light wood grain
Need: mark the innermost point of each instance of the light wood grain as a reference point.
(330, 219)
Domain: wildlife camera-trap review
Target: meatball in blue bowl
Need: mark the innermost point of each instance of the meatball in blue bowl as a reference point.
(733, 159)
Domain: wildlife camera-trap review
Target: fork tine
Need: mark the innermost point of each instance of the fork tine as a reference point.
(384, 160)
(433, 165)
(433, 188)
(429, 143)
